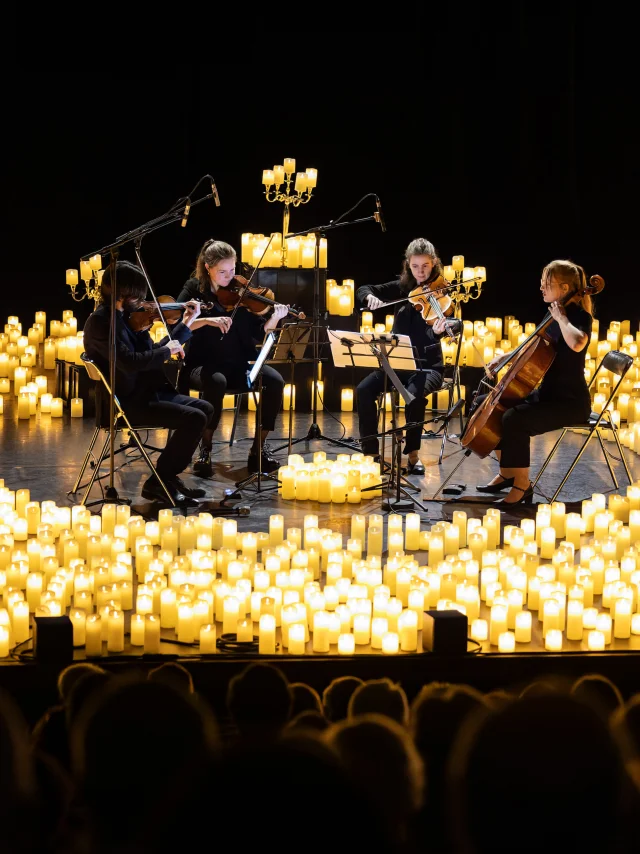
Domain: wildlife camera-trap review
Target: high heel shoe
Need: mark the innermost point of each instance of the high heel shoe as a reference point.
(526, 497)
(505, 483)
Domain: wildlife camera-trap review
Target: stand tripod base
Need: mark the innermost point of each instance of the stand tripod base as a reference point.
(398, 505)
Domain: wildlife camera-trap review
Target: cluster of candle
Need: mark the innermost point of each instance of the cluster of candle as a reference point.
(340, 299)
(19, 360)
(300, 251)
(349, 478)
(577, 575)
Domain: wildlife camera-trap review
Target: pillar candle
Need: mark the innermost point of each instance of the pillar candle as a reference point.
(56, 407)
(208, 639)
(523, 627)
(137, 630)
(296, 639)
(575, 612)
(347, 400)
(506, 642)
(267, 634)
(553, 640)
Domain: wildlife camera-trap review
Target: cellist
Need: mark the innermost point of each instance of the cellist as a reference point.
(562, 397)
(420, 267)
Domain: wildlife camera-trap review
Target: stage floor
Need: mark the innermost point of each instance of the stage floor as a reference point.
(45, 454)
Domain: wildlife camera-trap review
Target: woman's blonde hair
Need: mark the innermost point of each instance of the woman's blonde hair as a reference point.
(211, 253)
(574, 276)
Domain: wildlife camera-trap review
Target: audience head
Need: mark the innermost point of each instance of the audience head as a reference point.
(68, 677)
(174, 674)
(383, 762)
(308, 720)
(549, 749)
(169, 733)
(83, 689)
(596, 689)
(259, 700)
(336, 696)
(380, 697)
(305, 699)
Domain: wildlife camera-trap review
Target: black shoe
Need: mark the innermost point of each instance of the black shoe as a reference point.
(505, 483)
(190, 492)
(153, 491)
(525, 498)
(269, 462)
(416, 468)
(202, 466)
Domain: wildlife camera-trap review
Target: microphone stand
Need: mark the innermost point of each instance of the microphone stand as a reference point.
(314, 432)
(112, 249)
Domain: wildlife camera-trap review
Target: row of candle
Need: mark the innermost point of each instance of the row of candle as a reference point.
(340, 299)
(300, 251)
(13, 327)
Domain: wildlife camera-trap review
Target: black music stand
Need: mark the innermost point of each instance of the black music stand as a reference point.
(253, 375)
(388, 351)
(314, 431)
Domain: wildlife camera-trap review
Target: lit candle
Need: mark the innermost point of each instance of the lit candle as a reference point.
(208, 639)
(115, 635)
(523, 627)
(595, 641)
(56, 407)
(137, 630)
(267, 634)
(93, 645)
(622, 619)
(347, 400)
(506, 642)
(390, 643)
(553, 640)
(575, 613)
(297, 644)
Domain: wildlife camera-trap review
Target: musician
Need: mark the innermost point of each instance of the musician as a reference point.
(220, 350)
(421, 266)
(141, 385)
(562, 397)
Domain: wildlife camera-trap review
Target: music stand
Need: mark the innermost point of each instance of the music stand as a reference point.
(255, 373)
(388, 352)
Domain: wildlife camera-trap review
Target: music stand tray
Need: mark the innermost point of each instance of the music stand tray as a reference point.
(354, 349)
(292, 342)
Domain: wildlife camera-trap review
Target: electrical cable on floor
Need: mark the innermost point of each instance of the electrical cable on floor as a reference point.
(478, 648)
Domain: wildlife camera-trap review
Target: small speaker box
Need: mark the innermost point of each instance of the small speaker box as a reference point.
(444, 632)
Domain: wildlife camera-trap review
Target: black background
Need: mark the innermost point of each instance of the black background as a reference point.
(503, 132)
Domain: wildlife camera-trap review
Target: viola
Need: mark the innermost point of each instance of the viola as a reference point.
(144, 315)
(530, 361)
(257, 300)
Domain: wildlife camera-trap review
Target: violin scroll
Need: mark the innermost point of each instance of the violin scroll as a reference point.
(596, 284)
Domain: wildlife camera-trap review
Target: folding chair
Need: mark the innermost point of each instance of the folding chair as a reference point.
(121, 422)
(618, 363)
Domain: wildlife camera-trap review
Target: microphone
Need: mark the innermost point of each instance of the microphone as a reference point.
(185, 216)
(378, 215)
(214, 190)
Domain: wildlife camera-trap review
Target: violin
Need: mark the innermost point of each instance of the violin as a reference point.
(256, 300)
(144, 314)
(432, 301)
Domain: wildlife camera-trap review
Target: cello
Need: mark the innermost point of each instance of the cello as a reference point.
(530, 361)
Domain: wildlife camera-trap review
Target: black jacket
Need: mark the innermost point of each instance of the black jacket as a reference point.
(409, 321)
(139, 362)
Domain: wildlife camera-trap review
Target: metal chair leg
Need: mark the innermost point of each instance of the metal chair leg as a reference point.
(573, 465)
(94, 476)
(548, 460)
(238, 399)
(85, 462)
(148, 460)
(622, 456)
(607, 460)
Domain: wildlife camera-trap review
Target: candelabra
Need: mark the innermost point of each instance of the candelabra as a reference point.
(467, 281)
(90, 271)
(274, 179)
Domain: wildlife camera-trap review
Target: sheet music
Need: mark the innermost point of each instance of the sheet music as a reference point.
(262, 357)
(359, 349)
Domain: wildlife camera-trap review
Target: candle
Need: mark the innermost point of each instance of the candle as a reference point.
(93, 645)
(622, 619)
(575, 613)
(595, 641)
(553, 640)
(390, 643)
(137, 630)
(267, 634)
(56, 407)
(4, 642)
(523, 627)
(186, 625)
(151, 634)
(208, 639)
(506, 642)
(347, 400)
(297, 643)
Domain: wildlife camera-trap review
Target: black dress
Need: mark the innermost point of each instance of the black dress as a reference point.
(217, 364)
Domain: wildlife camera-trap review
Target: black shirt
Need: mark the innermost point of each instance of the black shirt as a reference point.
(409, 321)
(565, 378)
(208, 347)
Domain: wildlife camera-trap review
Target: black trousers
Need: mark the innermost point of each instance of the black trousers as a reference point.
(186, 416)
(214, 384)
(532, 418)
(419, 383)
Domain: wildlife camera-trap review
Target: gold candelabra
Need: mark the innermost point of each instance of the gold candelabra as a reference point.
(274, 179)
(467, 281)
(90, 272)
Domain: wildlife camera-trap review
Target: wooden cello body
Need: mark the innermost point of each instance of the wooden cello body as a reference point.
(529, 363)
(484, 428)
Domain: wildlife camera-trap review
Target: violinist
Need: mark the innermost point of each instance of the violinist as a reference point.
(218, 354)
(562, 397)
(421, 267)
(141, 385)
